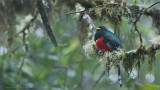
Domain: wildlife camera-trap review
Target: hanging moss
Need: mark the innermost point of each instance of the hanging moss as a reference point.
(151, 60)
(82, 28)
(133, 59)
(128, 62)
(151, 57)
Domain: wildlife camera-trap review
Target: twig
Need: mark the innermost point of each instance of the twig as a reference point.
(144, 10)
(19, 74)
(20, 69)
(76, 12)
(65, 78)
(14, 50)
(28, 24)
(99, 78)
(140, 36)
(24, 41)
(43, 14)
(95, 68)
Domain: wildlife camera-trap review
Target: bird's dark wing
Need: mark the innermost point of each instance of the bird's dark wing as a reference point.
(110, 42)
(95, 37)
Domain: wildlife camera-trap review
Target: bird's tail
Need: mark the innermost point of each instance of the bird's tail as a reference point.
(119, 75)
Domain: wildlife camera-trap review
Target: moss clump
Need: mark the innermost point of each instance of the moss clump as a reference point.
(133, 58)
(128, 62)
(111, 58)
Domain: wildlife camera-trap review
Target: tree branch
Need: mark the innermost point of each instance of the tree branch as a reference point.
(75, 12)
(43, 14)
(147, 51)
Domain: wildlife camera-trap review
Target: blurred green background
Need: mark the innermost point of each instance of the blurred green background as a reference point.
(68, 67)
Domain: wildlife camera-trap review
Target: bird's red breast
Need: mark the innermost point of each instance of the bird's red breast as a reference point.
(101, 45)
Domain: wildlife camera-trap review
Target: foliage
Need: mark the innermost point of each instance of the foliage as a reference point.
(150, 87)
(29, 61)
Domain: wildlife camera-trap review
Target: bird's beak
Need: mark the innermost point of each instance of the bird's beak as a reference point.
(98, 28)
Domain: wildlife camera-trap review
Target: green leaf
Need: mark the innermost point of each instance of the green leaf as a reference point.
(150, 87)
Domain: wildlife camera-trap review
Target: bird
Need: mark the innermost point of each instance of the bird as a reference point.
(106, 41)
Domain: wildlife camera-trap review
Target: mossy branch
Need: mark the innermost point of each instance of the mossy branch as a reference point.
(132, 57)
(135, 23)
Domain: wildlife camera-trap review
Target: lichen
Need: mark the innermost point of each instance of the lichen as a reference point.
(78, 8)
(112, 57)
(155, 40)
(19, 27)
(89, 47)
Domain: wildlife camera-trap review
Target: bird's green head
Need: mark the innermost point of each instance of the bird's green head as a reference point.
(100, 28)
